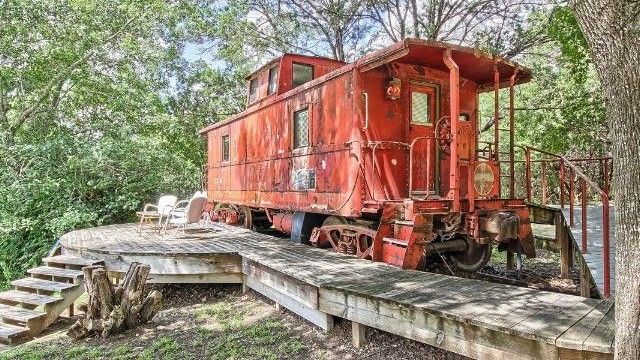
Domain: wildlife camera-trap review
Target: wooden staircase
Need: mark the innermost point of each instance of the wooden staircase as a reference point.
(35, 302)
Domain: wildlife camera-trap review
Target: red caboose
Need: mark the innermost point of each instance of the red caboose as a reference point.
(377, 158)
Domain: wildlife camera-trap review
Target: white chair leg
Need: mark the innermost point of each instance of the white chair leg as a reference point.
(140, 224)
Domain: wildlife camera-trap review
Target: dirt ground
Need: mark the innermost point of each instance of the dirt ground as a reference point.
(219, 322)
(541, 272)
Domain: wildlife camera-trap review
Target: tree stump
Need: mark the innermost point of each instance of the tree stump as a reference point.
(114, 309)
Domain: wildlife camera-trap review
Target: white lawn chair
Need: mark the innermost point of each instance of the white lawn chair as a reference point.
(152, 212)
(186, 212)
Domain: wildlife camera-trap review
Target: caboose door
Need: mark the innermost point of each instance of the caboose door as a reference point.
(422, 112)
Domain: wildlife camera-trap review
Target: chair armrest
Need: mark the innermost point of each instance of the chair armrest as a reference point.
(177, 205)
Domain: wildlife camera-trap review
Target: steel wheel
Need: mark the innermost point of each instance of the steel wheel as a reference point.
(474, 258)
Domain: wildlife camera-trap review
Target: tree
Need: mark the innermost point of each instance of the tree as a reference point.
(91, 121)
(612, 29)
(498, 26)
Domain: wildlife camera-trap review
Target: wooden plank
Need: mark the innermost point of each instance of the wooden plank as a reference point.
(215, 278)
(39, 284)
(358, 334)
(467, 340)
(575, 336)
(19, 314)
(316, 317)
(8, 332)
(556, 320)
(602, 337)
(585, 279)
(298, 290)
(562, 237)
(23, 297)
(56, 272)
(70, 260)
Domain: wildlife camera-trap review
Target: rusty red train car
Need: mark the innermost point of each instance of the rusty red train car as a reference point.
(377, 158)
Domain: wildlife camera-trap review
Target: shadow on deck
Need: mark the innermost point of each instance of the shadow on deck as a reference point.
(470, 317)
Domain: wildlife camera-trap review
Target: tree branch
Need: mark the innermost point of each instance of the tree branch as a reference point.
(59, 79)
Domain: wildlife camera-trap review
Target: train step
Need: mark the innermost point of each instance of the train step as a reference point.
(394, 241)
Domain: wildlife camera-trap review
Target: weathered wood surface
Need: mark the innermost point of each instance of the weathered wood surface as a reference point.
(595, 233)
(594, 255)
(111, 310)
(468, 316)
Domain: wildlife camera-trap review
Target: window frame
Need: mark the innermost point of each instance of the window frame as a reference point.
(293, 65)
(254, 80)
(224, 159)
(306, 108)
(433, 90)
(274, 69)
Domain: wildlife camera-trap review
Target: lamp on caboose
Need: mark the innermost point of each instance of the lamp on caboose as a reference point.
(393, 89)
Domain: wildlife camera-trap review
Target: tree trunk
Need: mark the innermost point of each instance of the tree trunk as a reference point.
(611, 29)
(113, 310)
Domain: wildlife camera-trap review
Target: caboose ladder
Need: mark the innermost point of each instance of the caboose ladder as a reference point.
(35, 302)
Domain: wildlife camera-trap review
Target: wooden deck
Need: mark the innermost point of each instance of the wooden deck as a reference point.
(593, 256)
(474, 318)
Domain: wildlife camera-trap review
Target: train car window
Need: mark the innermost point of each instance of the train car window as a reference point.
(273, 80)
(253, 90)
(301, 128)
(420, 108)
(301, 74)
(464, 117)
(225, 148)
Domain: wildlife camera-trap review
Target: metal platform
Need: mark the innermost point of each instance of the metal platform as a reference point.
(470, 317)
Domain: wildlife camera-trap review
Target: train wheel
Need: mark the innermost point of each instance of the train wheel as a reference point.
(334, 220)
(474, 257)
(246, 217)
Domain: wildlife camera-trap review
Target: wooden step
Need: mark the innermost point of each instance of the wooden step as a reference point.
(70, 260)
(39, 284)
(8, 332)
(23, 297)
(56, 272)
(22, 315)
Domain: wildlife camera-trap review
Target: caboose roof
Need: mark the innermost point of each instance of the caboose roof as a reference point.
(474, 64)
(299, 57)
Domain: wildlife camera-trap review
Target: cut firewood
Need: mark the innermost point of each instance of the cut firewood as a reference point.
(112, 310)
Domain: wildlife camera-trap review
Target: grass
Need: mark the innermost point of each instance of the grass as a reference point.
(227, 329)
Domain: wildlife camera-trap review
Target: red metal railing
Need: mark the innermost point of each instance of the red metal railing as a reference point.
(586, 184)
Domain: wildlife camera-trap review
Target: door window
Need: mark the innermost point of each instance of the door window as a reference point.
(421, 108)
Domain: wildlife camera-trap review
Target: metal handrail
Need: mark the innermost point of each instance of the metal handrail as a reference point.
(584, 181)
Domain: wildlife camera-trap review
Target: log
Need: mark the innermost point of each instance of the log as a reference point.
(112, 310)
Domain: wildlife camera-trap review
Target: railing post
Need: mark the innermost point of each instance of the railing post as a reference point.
(561, 184)
(527, 154)
(512, 151)
(544, 182)
(606, 177)
(571, 197)
(583, 190)
(605, 244)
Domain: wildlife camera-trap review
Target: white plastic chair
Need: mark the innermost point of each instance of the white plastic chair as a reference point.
(187, 212)
(159, 211)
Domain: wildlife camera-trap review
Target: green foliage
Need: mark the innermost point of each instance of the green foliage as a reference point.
(92, 123)
(561, 109)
